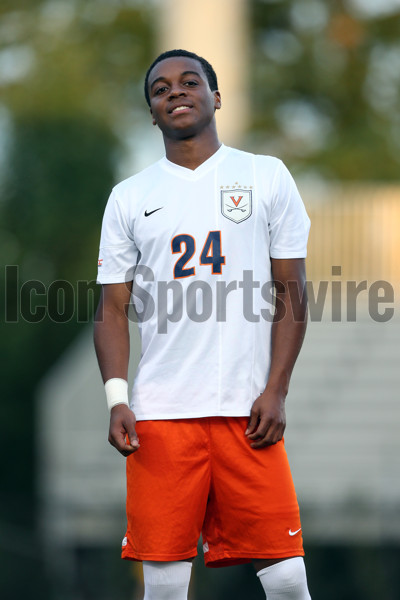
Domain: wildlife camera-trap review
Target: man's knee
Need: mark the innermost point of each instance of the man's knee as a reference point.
(166, 580)
(285, 580)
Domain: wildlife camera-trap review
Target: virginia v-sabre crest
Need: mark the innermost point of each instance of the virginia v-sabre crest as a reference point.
(236, 204)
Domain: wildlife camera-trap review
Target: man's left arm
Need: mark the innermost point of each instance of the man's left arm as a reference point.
(267, 419)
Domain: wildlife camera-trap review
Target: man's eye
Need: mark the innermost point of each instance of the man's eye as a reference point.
(191, 83)
(160, 90)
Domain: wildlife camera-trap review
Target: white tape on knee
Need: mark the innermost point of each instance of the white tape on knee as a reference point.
(166, 580)
(285, 580)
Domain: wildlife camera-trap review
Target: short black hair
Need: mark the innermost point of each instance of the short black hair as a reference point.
(207, 68)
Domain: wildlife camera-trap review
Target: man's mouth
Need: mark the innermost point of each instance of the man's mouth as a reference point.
(180, 108)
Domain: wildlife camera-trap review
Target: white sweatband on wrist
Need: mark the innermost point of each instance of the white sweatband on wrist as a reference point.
(116, 392)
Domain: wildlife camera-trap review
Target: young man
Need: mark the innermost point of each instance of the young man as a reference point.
(198, 240)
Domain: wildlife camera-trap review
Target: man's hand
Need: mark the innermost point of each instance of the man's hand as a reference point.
(267, 420)
(122, 433)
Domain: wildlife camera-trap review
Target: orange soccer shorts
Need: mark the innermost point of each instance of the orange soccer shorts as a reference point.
(193, 476)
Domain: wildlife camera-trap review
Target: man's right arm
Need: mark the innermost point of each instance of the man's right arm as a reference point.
(111, 340)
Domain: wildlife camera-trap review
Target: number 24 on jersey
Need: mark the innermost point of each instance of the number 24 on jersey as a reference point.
(211, 254)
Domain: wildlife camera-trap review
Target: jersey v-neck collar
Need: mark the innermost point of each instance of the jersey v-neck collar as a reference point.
(208, 164)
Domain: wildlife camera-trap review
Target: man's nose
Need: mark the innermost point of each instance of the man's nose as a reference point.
(176, 91)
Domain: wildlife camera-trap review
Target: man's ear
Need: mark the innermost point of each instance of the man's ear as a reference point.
(217, 100)
(154, 121)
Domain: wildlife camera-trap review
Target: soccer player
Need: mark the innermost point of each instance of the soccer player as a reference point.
(198, 242)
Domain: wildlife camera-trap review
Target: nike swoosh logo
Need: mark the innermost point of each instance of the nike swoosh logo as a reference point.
(147, 214)
(294, 532)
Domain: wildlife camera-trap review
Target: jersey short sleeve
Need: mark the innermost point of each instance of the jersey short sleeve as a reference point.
(118, 253)
(289, 223)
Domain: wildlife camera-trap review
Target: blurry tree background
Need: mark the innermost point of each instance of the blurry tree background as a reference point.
(325, 97)
(326, 86)
(71, 79)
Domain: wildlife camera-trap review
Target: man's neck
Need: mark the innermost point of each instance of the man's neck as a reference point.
(192, 152)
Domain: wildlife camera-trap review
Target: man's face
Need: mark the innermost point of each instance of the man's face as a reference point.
(181, 102)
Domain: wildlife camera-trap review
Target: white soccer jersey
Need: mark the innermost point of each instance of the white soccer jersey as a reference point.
(198, 246)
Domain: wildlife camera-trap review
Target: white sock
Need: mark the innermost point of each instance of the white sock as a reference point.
(166, 580)
(285, 580)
